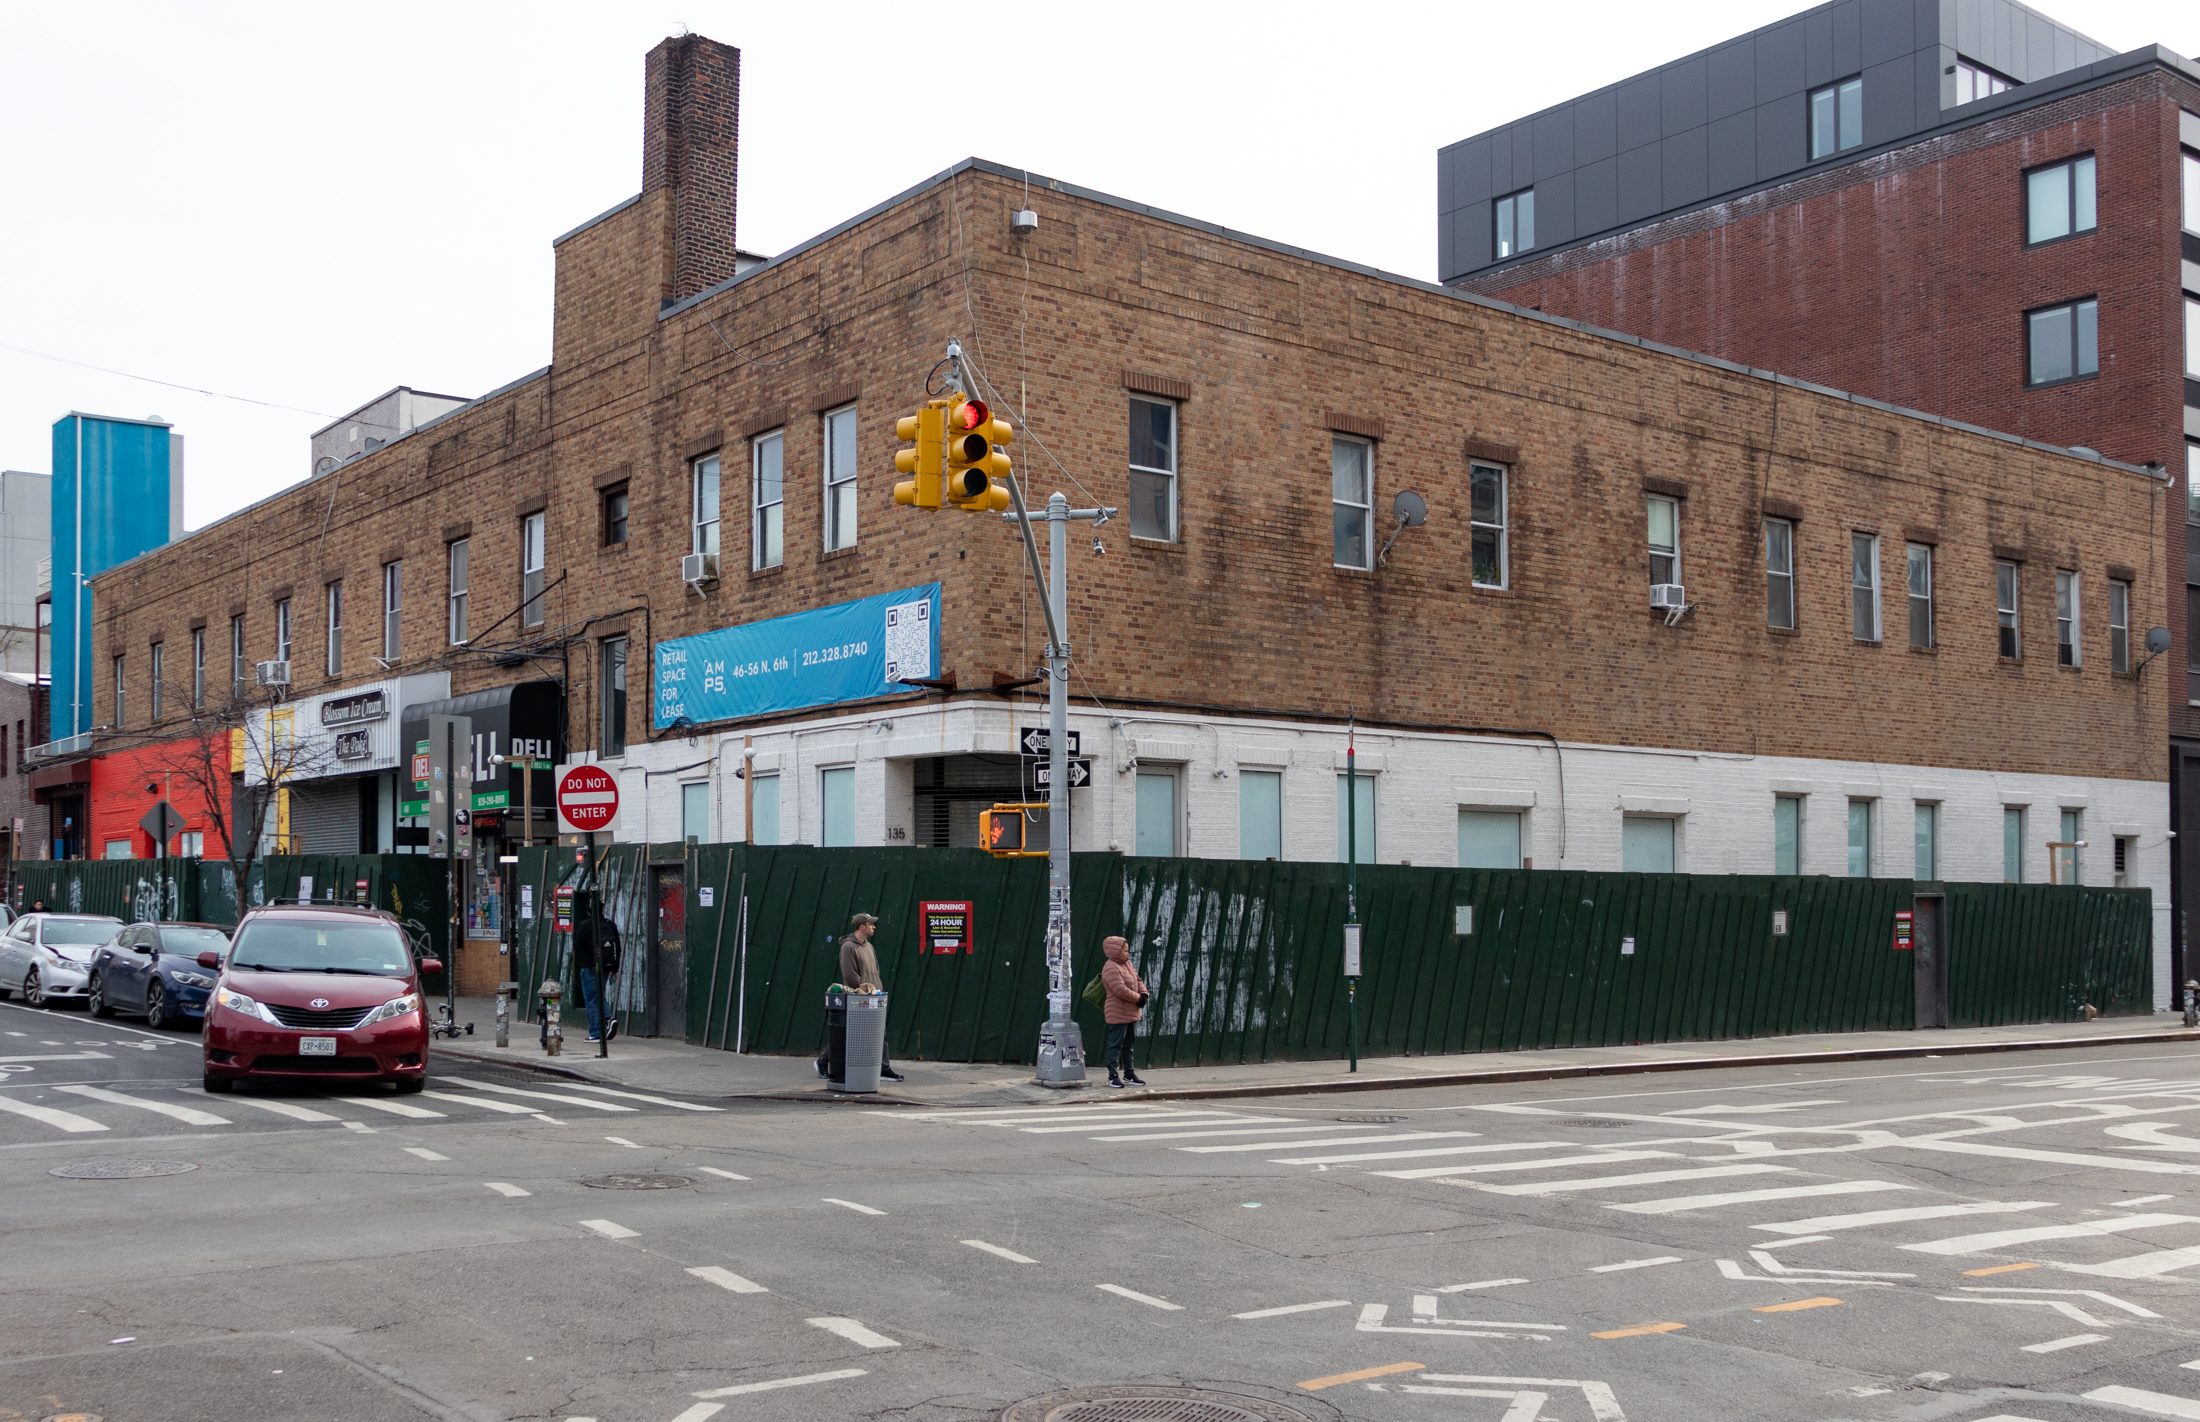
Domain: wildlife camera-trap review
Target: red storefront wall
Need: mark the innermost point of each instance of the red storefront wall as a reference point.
(128, 783)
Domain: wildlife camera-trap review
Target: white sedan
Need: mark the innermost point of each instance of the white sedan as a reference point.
(48, 956)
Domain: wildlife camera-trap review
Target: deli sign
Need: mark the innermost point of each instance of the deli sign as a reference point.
(352, 710)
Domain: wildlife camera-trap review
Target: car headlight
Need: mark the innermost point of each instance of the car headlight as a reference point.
(53, 957)
(238, 1002)
(395, 1007)
(192, 979)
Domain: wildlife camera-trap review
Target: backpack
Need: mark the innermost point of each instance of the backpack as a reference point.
(607, 949)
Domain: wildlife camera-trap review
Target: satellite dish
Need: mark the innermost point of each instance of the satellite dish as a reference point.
(1410, 508)
(2158, 640)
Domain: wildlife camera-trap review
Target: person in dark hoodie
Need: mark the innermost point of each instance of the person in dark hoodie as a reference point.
(1126, 1003)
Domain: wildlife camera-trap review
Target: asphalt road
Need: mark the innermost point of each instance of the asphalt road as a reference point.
(2005, 1237)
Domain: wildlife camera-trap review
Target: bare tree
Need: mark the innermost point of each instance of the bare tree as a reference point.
(235, 756)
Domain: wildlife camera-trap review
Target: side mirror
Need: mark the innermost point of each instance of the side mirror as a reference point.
(146, 948)
(210, 959)
(431, 965)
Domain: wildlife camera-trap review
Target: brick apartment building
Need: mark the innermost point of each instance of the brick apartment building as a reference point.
(1251, 409)
(1968, 209)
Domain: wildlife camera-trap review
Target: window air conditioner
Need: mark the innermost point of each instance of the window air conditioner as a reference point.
(1668, 597)
(273, 673)
(699, 568)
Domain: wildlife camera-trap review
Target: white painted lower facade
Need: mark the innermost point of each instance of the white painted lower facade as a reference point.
(1574, 801)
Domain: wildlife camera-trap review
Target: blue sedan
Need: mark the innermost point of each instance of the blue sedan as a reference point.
(153, 968)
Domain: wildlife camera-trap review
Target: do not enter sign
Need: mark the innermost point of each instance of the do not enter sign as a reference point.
(588, 798)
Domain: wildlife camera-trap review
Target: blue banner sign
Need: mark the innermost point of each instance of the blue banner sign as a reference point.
(847, 652)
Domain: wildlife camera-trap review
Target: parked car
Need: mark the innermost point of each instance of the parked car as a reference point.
(48, 956)
(317, 993)
(153, 968)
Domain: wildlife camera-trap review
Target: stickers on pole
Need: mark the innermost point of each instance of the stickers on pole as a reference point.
(1352, 950)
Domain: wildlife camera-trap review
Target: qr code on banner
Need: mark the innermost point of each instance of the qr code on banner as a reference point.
(909, 640)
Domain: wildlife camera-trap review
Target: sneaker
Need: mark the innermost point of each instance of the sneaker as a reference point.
(595, 1039)
(1116, 1082)
(1133, 1079)
(893, 1076)
(821, 1069)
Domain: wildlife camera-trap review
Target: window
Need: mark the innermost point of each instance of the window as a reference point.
(2192, 646)
(2066, 619)
(530, 569)
(2192, 464)
(612, 706)
(1352, 501)
(616, 502)
(198, 667)
(1928, 842)
(1921, 595)
(1489, 839)
(1515, 224)
(236, 656)
(2059, 201)
(1665, 541)
(2068, 866)
(1976, 81)
(282, 630)
(1359, 825)
(1860, 839)
(116, 849)
(1837, 118)
(2192, 192)
(458, 591)
(768, 498)
(191, 844)
(393, 609)
(334, 594)
(703, 506)
(2192, 339)
(695, 812)
(2127, 852)
(2063, 342)
(766, 808)
(1645, 845)
(1864, 587)
(840, 478)
(1787, 834)
(121, 719)
(1153, 469)
(1260, 814)
(1779, 574)
(1487, 515)
(837, 794)
(159, 665)
(1156, 810)
(2119, 626)
(2005, 609)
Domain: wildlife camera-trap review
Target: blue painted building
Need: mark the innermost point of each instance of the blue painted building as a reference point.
(117, 492)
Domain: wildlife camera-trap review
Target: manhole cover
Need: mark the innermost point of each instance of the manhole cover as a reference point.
(637, 1182)
(1146, 1403)
(72, 1417)
(1372, 1120)
(1602, 1125)
(121, 1169)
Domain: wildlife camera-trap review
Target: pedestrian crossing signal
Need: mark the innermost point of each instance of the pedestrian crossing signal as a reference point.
(1002, 831)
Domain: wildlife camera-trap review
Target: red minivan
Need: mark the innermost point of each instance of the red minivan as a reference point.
(317, 993)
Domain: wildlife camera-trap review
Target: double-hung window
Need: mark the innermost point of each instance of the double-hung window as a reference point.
(457, 597)
(1352, 501)
(2006, 609)
(236, 656)
(768, 501)
(1860, 839)
(1837, 118)
(1780, 574)
(840, 478)
(2191, 167)
(121, 717)
(613, 704)
(1864, 587)
(1975, 81)
(1515, 224)
(531, 532)
(198, 667)
(2012, 844)
(2192, 646)
(2067, 651)
(160, 665)
(334, 593)
(1488, 521)
(2119, 625)
(393, 609)
(1927, 838)
(2059, 201)
(703, 508)
(618, 501)
(1665, 541)
(1921, 594)
(2064, 342)
(2192, 338)
(1153, 469)
(282, 630)
(1787, 834)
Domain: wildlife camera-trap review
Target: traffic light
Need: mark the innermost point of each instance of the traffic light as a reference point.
(975, 457)
(1001, 831)
(926, 429)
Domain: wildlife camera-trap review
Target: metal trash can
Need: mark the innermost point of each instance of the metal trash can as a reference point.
(858, 1040)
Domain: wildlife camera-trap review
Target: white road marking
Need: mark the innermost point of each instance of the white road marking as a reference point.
(2110, 1299)
(1303, 1145)
(1424, 1308)
(1479, 1284)
(2002, 1239)
(424, 1153)
(1471, 1150)
(280, 1108)
(2162, 1404)
(851, 1205)
(2068, 1310)
(610, 1230)
(360, 1126)
(1372, 1316)
(1797, 1239)
(1822, 1223)
(505, 1107)
(1751, 1110)
(1172, 1135)
(700, 1411)
(1294, 1308)
(2050, 1157)
(2075, 1340)
(1748, 1197)
(1214, 1120)
(853, 1331)
(714, 1170)
(189, 1115)
(395, 1108)
(62, 1056)
(638, 1096)
(2139, 1266)
(805, 1380)
(1732, 1270)
(512, 1192)
(1432, 1172)
(536, 1095)
(1009, 1254)
(1649, 1177)
(728, 1280)
(65, 1120)
(1634, 1264)
(1773, 1266)
(1136, 1297)
(2147, 1200)
(2150, 1136)
(622, 1141)
(1603, 1406)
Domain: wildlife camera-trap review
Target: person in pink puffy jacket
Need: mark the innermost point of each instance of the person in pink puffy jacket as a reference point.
(1126, 1003)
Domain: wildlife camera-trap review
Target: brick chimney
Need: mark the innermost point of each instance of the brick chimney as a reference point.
(690, 140)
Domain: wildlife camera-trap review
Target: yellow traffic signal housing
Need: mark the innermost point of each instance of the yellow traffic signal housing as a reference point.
(975, 457)
(926, 428)
(1001, 832)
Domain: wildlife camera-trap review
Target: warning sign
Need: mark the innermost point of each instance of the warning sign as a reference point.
(1904, 924)
(947, 927)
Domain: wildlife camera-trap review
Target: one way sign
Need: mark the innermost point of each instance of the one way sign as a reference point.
(1035, 742)
(1080, 774)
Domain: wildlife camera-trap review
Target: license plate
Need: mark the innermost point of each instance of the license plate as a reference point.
(316, 1046)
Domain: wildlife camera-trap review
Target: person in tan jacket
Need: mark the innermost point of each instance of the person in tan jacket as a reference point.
(1126, 1003)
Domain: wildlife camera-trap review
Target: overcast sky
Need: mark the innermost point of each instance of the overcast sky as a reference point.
(305, 205)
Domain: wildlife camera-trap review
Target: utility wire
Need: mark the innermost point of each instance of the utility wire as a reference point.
(172, 385)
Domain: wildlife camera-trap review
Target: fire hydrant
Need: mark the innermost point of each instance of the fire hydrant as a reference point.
(552, 995)
(505, 993)
(2192, 1002)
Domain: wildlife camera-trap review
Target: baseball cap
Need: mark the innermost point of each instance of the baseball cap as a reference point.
(861, 919)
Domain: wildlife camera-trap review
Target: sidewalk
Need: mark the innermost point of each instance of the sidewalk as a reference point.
(661, 1064)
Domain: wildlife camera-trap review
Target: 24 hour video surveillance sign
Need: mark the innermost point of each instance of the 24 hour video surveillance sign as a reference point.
(847, 652)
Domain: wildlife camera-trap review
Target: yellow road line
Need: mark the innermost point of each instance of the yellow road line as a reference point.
(1639, 1329)
(1363, 1374)
(1799, 1303)
(1997, 1269)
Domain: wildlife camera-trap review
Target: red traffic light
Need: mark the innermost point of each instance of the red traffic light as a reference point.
(974, 414)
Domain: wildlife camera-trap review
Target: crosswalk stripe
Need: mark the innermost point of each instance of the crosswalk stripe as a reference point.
(1311, 1145)
(281, 1108)
(1475, 1150)
(2140, 1266)
(638, 1096)
(1089, 1126)
(1035, 1113)
(1152, 1135)
(189, 1115)
(2162, 1404)
(2052, 1157)
(537, 1095)
(1749, 1197)
(1649, 1177)
(395, 1108)
(1432, 1172)
(1819, 1224)
(505, 1107)
(2002, 1239)
(64, 1120)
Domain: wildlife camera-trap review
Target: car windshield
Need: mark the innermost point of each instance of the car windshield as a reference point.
(270, 945)
(80, 930)
(193, 941)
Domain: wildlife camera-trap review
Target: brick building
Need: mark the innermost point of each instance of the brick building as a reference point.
(2009, 237)
(1251, 409)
